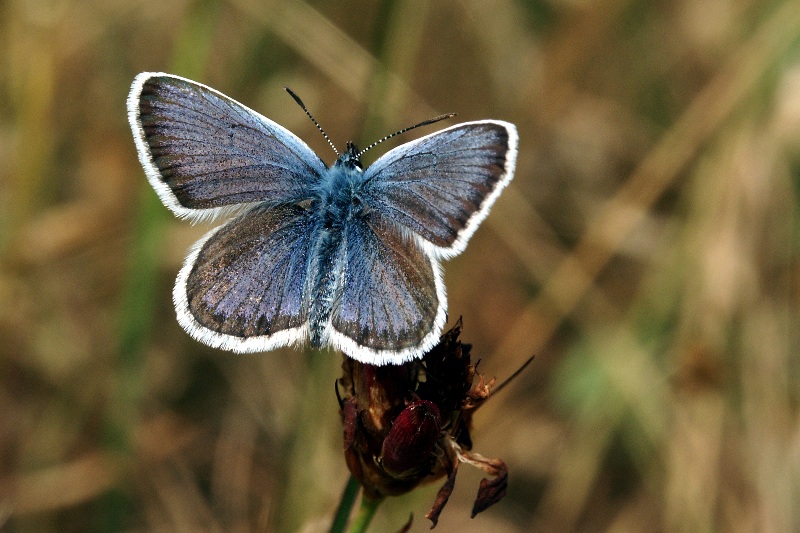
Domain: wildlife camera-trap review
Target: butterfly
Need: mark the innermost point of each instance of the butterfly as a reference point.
(341, 256)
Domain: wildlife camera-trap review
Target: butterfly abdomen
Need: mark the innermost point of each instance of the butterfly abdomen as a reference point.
(327, 265)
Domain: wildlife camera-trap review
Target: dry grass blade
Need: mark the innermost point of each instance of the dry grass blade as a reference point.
(646, 252)
(328, 48)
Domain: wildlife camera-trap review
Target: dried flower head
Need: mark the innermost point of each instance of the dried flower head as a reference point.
(410, 424)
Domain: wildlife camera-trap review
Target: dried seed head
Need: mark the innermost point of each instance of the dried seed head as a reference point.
(409, 424)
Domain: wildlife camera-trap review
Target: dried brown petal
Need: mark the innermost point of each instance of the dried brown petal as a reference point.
(442, 496)
(490, 491)
(448, 372)
(349, 421)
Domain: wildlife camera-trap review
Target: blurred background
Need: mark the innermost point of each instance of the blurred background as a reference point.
(646, 253)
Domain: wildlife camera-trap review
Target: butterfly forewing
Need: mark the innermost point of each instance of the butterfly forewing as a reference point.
(203, 151)
(243, 287)
(441, 186)
(392, 303)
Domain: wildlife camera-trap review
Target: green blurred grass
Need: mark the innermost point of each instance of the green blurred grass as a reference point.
(647, 252)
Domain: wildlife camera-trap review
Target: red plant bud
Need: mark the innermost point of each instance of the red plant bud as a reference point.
(408, 449)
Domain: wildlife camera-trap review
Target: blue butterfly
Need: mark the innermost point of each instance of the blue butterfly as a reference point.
(341, 255)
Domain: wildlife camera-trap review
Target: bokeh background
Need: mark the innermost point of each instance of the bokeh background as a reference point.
(646, 253)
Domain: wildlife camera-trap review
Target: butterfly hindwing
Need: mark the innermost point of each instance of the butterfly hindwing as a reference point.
(204, 152)
(442, 186)
(392, 303)
(242, 287)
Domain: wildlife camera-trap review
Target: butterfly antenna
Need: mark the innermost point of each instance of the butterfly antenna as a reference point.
(303, 106)
(425, 123)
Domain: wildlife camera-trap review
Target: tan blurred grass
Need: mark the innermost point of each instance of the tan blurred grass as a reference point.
(646, 251)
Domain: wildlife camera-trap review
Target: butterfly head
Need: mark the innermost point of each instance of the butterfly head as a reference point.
(350, 159)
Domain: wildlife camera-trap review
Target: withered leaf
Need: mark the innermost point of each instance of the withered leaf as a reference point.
(490, 492)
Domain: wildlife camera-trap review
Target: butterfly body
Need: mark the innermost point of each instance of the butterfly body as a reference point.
(336, 205)
(341, 255)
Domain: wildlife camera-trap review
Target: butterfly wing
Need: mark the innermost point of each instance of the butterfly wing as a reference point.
(205, 153)
(242, 285)
(440, 187)
(392, 302)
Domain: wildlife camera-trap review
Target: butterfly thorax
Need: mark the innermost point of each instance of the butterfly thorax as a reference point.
(337, 203)
(338, 190)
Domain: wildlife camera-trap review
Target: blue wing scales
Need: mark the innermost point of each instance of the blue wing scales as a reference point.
(205, 153)
(392, 304)
(242, 287)
(440, 187)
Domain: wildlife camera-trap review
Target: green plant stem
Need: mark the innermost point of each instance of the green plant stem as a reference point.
(345, 506)
(364, 516)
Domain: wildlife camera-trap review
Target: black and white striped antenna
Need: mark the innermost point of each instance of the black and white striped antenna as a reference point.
(376, 143)
(424, 123)
(302, 105)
